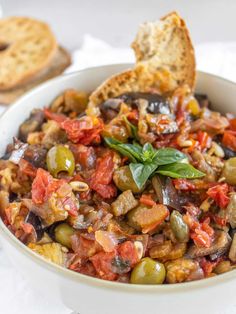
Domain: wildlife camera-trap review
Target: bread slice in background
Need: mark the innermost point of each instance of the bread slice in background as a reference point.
(164, 60)
(58, 64)
(30, 46)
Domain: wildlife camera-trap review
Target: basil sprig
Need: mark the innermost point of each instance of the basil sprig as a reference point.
(145, 160)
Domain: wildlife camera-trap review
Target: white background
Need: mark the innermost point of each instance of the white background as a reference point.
(116, 21)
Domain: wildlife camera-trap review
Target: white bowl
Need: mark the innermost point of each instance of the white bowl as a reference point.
(85, 294)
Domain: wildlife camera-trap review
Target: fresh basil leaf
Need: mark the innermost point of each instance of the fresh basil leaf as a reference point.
(114, 144)
(110, 141)
(134, 150)
(148, 153)
(147, 147)
(165, 156)
(141, 172)
(180, 170)
(132, 127)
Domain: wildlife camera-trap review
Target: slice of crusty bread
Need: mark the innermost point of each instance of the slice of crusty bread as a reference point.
(167, 44)
(59, 63)
(27, 47)
(164, 60)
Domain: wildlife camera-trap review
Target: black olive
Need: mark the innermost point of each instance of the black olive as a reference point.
(35, 221)
(202, 100)
(156, 103)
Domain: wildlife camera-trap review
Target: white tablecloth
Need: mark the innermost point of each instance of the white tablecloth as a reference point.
(16, 296)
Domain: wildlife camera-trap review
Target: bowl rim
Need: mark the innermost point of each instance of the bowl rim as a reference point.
(92, 281)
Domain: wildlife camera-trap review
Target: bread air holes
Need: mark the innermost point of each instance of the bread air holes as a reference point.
(4, 46)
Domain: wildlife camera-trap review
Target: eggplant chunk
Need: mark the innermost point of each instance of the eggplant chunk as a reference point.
(219, 246)
(32, 124)
(165, 191)
(231, 209)
(110, 108)
(232, 251)
(124, 203)
(36, 155)
(156, 102)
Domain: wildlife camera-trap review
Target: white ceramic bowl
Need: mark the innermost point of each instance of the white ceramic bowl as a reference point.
(85, 294)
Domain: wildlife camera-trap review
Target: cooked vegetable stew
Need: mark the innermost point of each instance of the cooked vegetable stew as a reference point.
(142, 193)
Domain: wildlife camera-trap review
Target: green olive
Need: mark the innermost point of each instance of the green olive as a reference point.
(60, 159)
(148, 272)
(63, 233)
(124, 181)
(229, 171)
(179, 227)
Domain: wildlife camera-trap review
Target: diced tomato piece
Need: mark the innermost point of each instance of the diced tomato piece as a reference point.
(92, 136)
(102, 177)
(104, 169)
(207, 228)
(44, 185)
(146, 199)
(229, 139)
(27, 168)
(128, 252)
(58, 117)
(40, 186)
(105, 190)
(201, 238)
(53, 186)
(201, 233)
(204, 139)
(183, 184)
(219, 194)
(83, 130)
(232, 123)
(103, 264)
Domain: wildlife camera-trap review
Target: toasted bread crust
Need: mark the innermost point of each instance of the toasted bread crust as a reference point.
(30, 47)
(164, 60)
(59, 63)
